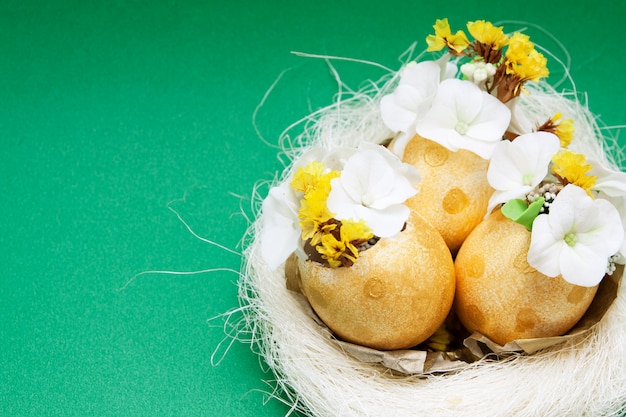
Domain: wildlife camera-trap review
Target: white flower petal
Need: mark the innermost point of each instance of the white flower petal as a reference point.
(395, 116)
(366, 177)
(492, 119)
(424, 76)
(545, 250)
(412, 97)
(439, 126)
(280, 235)
(520, 123)
(612, 183)
(504, 172)
(406, 176)
(333, 159)
(449, 71)
(620, 204)
(398, 145)
(585, 231)
(580, 265)
(499, 197)
(464, 98)
(387, 222)
(463, 116)
(535, 151)
(480, 147)
(372, 187)
(339, 202)
(516, 167)
(604, 231)
(401, 191)
(564, 207)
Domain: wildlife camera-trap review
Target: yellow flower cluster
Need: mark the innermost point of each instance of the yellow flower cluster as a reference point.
(443, 37)
(523, 61)
(562, 128)
(486, 33)
(335, 241)
(520, 63)
(344, 250)
(572, 168)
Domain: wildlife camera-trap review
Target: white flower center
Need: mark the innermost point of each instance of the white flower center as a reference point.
(367, 199)
(527, 179)
(461, 127)
(570, 239)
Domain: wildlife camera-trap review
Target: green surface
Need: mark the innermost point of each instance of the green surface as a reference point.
(110, 111)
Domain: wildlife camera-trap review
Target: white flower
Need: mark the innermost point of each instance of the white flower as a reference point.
(611, 186)
(333, 159)
(620, 204)
(405, 170)
(463, 116)
(412, 97)
(280, 235)
(518, 166)
(372, 187)
(610, 182)
(576, 238)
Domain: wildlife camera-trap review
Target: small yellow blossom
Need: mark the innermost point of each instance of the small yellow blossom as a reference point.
(519, 47)
(523, 60)
(343, 250)
(573, 168)
(564, 130)
(353, 231)
(314, 219)
(314, 214)
(307, 177)
(332, 250)
(486, 33)
(443, 37)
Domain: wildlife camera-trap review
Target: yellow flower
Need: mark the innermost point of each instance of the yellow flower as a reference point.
(443, 37)
(307, 177)
(314, 218)
(519, 47)
(331, 249)
(573, 168)
(486, 33)
(352, 231)
(343, 251)
(564, 130)
(523, 60)
(314, 214)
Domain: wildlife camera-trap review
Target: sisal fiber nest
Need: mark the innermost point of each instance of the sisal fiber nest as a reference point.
(585, 375)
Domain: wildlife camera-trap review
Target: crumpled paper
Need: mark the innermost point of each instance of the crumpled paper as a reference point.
(475, 346)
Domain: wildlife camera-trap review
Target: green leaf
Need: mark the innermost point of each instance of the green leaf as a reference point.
(520, 212)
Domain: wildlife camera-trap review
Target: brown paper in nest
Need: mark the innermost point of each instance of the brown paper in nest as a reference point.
(475, 346)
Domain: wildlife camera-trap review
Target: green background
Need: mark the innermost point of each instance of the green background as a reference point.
(111, 112)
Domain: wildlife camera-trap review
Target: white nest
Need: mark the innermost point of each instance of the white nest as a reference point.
(585, 376)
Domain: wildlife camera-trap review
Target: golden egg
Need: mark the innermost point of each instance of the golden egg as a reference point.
(395, 296)
(454, 191)
(499, 295)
